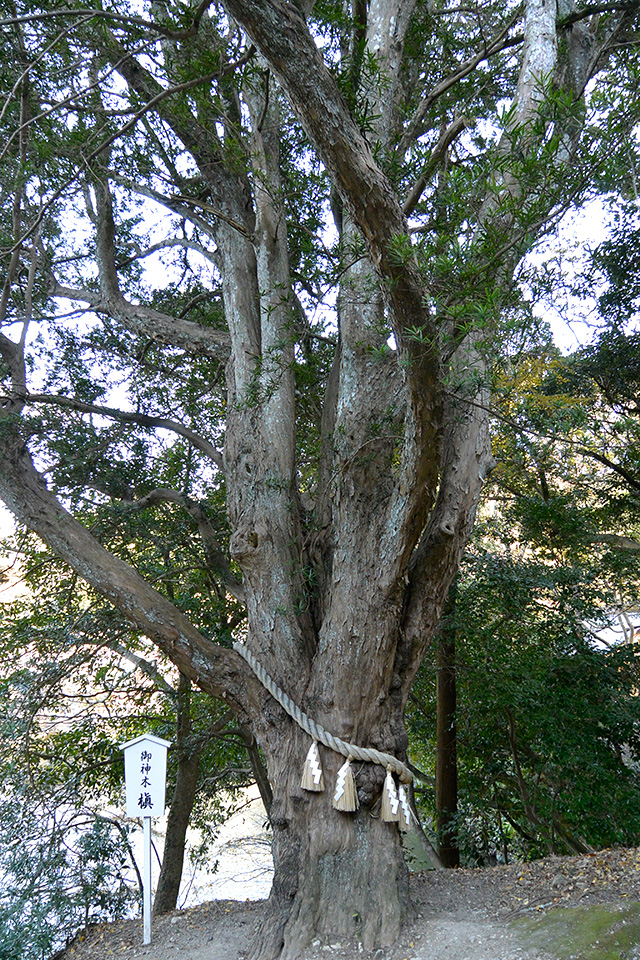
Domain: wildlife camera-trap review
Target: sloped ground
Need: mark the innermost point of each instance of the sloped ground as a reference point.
(574, 908)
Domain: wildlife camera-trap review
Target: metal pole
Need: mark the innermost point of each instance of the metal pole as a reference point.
(146, 884)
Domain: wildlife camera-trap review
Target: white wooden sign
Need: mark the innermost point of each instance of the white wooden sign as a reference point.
(145, 774)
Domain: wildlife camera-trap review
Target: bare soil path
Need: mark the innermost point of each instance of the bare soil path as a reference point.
(573, 908)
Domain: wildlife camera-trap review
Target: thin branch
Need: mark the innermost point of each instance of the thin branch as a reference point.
(13, 353)
(523, 790)
(216, 558)
(182, 242)
(28, 297)
(116, 17)
(33, 63)
(145, 666)
(519, 428)
(453, 131)
(216, 212)
(170, 202)
(125, 837)
(501, 42)
(609, 44)
(150, 105)
(606, 462)
(257, 766)
(124, 416)
(76, 95)
(617, 541)
(202, 142)
(597, 8)
(421, 775)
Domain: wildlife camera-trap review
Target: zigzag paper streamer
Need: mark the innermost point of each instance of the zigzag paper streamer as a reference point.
(404, 810)
(346, 797)
(312, 778)
(390, 802)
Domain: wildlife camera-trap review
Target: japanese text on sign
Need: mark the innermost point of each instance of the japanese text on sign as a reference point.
(145, 772)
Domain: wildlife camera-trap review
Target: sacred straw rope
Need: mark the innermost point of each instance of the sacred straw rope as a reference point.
(349, 750)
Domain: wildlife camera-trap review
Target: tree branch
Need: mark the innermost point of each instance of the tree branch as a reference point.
(617, 540)
(280, 33)
(230, 190)
(23, 76)
(594, 9)
(606, 462)
(215, 669)
(529, 809)
(160, 95)
(56, 107)
(145, 666)
(147, 322)
(453, 131)
(126, 19)
(172, 203)
(216, 558)
(125, 416)
(501, 42)
(183, 242)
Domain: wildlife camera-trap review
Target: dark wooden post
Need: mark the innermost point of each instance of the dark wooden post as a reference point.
(446, 739)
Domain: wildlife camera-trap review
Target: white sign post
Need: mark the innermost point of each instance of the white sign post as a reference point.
(145, 774)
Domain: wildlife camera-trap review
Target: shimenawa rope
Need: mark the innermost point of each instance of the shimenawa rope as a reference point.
(349, 750)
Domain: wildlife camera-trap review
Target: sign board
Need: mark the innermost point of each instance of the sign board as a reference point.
(145, 772)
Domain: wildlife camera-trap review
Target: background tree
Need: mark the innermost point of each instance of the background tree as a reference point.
(446, 752)
(547, 714)
(348, 443)
(58, 880)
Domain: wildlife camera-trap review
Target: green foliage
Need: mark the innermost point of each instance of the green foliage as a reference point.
(548, 719)
(612, 268)
(75, 684)
(62, 869)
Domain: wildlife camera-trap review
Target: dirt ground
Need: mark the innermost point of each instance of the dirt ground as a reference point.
(573, 908)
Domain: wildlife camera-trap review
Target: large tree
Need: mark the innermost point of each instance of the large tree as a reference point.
(350, 438)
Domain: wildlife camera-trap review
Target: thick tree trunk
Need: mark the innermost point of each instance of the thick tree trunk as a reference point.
(338, 876)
